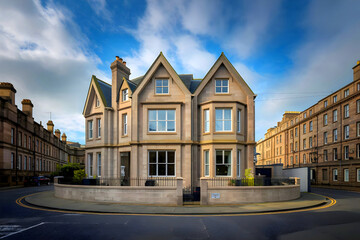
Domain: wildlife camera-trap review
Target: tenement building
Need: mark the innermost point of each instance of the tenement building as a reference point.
(165, 124)
(26, 147)
(325, 137)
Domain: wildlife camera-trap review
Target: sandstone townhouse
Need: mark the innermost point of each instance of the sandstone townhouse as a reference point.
(324, 137)
(165, 124)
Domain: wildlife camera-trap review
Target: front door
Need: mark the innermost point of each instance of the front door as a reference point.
(125, 168)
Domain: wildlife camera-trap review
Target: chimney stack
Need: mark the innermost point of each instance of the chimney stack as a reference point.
(57, 133)
(50, 126)
(7, 91)
(119, 71)
(357, 71)
(63, 137)
(27, 107)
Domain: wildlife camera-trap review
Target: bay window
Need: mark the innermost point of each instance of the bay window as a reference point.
(223, 120)
(162, 163)
(223, 162)
(161, 120)
(206, 163)
(206, 120)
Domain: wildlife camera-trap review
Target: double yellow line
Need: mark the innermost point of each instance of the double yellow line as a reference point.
(332, 203)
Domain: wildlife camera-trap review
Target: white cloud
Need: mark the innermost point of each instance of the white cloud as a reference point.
(40, 54)
(100, 8)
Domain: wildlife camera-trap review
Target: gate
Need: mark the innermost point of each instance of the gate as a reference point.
(191, 195)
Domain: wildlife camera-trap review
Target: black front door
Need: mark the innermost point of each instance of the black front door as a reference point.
(125, 168)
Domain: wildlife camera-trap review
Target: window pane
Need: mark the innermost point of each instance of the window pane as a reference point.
(152, 169)
(161, 114)
(170, 114)
(219, 114)
(171, 126)
(218, 126)
(165, 89)
(152, 115)
(161, 169)
(227, 157)
(206, 153)
(227, 125)
(225, 83)
(207, 170)
(158, 83)
(158, 89)
(171, 157)
(161, 157)
(227, 114)
(224, 89)
(219, 157)
(152, 157)
(218, 83)
(165, 83)
(152, 126)
(171, 170)
(161, 126)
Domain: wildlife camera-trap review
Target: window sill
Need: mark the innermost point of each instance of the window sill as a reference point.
(162, 95)
(122, 101)
(162, 133)
(207, 133)
(124, 136)
(222, 94)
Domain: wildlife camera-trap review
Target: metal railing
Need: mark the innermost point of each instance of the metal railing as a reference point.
(143, 182)
(223, 182)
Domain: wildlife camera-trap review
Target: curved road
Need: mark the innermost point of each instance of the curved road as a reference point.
(341, 221)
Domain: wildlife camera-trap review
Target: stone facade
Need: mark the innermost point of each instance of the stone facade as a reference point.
(164, 123)
(26, 147)
(324, 137)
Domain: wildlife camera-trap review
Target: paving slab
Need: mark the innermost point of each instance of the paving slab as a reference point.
(48, 200)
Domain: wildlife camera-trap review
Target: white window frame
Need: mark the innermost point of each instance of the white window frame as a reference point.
(335, 175)
(206, 163)
(222, 120)
(238, 164)
(335, 115)
(325, 119)
(90, 129)
(166, 163)
(99, 127)
(125, 124)
(161, 86)
(221, 86)
(346, 111)
(97, 104)
(335, 135)
(157, 119)
(90, 165)
(346, 132)
(98, 164)
(346, 152)
(125, 94)
(206, 120)
(223, 162)
(238, 122)
(346, 175)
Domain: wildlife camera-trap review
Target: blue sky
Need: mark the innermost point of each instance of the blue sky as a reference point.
(291, 53)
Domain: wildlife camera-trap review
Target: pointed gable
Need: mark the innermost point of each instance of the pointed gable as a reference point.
(223, 61)
(159, 62)
(100, 89)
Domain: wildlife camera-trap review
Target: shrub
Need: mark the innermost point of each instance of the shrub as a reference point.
(78, 176)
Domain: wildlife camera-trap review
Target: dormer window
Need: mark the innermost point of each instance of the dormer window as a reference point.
(162, 86)
(97, 101)
(125, 96)
(222, 86)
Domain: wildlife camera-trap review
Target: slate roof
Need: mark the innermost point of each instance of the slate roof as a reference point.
(105, 91)
(105, 88)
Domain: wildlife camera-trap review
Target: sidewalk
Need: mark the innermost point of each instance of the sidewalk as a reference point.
(347, 188)
(48, 200)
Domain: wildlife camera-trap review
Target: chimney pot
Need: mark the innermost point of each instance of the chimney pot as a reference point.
(124, 63)
(63, 137)
(50, 126)
(27, 107)
(356, 70)
(57, 133)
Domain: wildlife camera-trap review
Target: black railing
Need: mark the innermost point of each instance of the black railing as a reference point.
(222, 181)
(147, 182)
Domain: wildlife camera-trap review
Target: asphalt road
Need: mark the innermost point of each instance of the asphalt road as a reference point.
(341, 221)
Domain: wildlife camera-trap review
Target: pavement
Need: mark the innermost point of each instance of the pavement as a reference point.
(47, 200)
